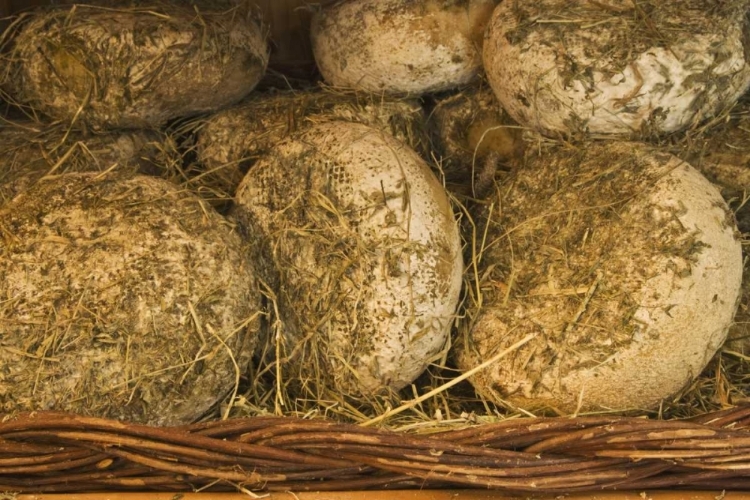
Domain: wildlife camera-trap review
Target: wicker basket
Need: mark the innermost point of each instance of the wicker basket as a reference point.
(48, 452)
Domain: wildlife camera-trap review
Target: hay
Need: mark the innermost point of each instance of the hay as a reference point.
(720, 149)
(724, 382)
(118, 65)
(32, 151)
(225, 145)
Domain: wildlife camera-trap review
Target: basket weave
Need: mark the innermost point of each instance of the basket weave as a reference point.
(56, 452)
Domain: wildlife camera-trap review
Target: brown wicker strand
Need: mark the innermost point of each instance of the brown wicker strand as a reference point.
(53, 452)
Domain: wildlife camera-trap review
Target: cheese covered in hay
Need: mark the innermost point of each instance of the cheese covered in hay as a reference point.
(568, 66)
(400, 46)
(365, 252)
(230, 141)
(132, 67)
(122, 298)
(622, 263)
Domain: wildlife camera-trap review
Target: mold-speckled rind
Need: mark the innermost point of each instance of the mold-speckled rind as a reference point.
(365, 250)
(122, 298)
(133, 67)
(625, 263)
(400, 46)
(561, 67)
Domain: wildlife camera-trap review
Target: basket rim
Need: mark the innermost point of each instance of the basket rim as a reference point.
(53, 452)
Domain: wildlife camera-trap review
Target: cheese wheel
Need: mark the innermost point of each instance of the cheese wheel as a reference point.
(365, 254)
(400, 46)
(125, 298)
(133, 67)
(566, 67)
(623, 264)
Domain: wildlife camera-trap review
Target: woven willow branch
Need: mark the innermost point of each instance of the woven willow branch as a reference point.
(56, 452)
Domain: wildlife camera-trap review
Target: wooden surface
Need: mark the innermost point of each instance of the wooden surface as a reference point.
(289, 22)
(12, 6)
(401, 495)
